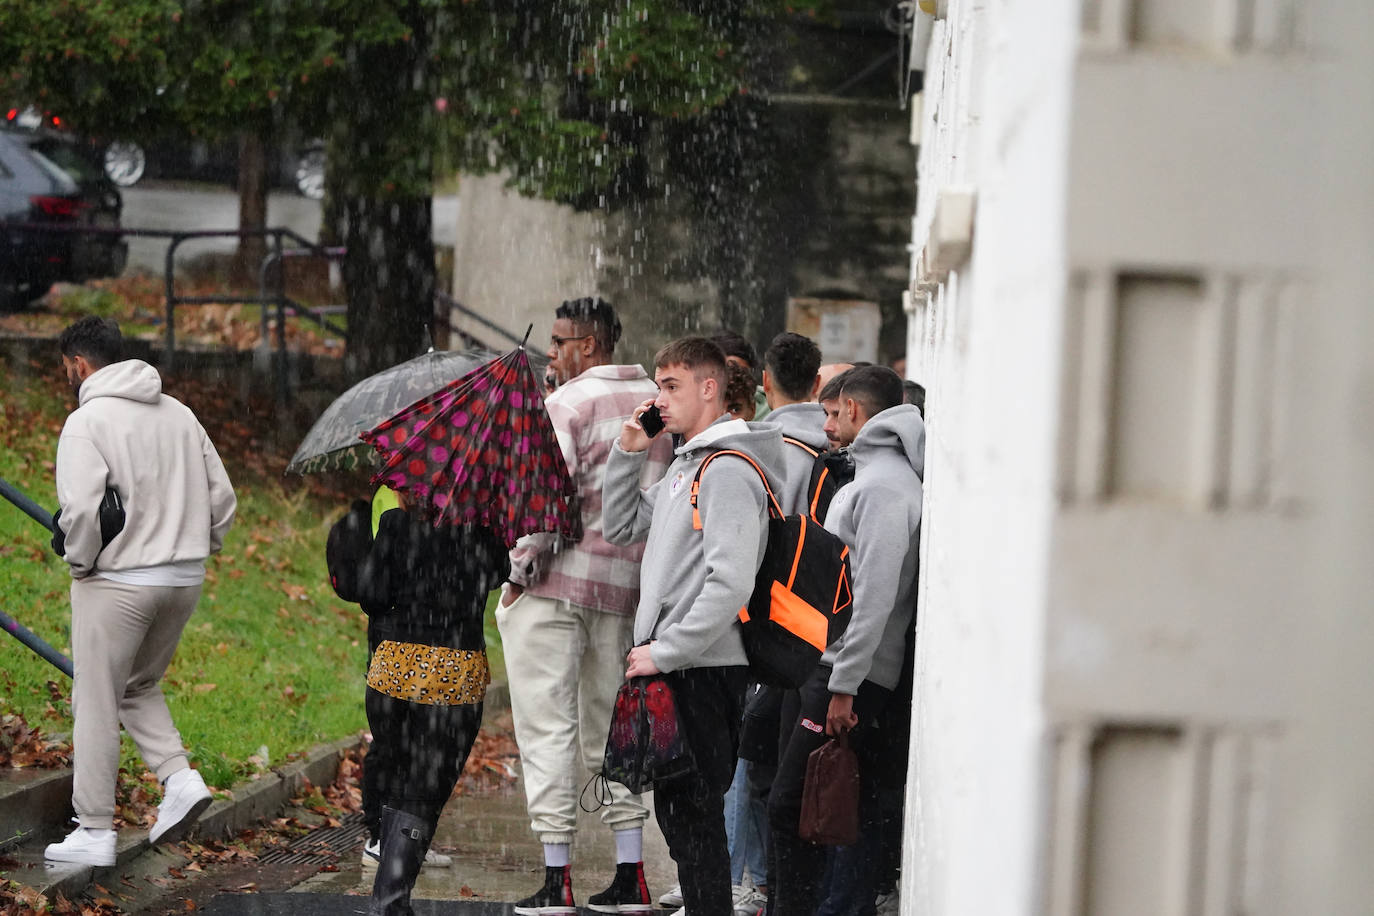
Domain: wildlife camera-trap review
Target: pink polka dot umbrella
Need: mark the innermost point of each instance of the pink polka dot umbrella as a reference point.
(482, 449)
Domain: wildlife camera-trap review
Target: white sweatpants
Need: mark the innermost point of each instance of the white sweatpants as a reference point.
(123, 638)
(565, 664)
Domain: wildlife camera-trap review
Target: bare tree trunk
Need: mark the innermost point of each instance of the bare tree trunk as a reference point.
(252, 209)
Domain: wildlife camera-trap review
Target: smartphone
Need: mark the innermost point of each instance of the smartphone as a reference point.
(651, 422)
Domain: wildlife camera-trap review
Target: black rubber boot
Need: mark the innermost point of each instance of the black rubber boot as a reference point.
(405, 838)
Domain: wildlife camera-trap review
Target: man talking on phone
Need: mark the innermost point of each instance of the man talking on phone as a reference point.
(566, 613)
(698, 571)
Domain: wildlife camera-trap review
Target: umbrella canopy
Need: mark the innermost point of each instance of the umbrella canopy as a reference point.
(482, 450)
(333, 444)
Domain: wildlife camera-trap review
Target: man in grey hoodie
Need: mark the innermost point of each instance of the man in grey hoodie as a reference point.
(697, 573)
(877, 516)
(790, 380)
(131, 597)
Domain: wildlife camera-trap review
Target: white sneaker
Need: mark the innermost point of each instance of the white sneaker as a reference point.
(747, 901)
(372, 854)
(673, 898)
(183, 799)
(84, 847)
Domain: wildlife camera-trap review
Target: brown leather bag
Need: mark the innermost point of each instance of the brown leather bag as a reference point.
(830, 796)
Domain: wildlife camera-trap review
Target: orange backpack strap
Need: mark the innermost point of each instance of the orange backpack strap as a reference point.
(820, 481)
(774, 507)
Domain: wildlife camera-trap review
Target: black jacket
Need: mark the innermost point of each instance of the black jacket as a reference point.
(428, 585)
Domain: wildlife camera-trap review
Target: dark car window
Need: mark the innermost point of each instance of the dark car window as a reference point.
(53, 170)
(68, 159)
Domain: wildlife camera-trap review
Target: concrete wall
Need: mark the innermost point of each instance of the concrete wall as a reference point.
(515, 259)
(1145, 614)
(829, 216)
(982, 344)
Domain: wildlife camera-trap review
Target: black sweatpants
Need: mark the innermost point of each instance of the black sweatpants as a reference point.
(691, 809)
(797, 867)
(423, 751)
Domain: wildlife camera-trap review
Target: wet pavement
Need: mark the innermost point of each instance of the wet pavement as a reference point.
(496, 858)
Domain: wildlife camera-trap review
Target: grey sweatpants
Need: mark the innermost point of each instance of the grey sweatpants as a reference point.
(123, 637)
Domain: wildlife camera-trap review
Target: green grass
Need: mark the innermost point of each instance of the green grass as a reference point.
(271, 659)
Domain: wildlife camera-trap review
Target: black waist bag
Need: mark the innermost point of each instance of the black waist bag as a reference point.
(802, 599)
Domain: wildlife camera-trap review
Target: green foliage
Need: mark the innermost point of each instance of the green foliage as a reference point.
(559, 94)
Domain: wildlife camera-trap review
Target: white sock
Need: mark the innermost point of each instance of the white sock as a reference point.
(557, 855)
(629, 845)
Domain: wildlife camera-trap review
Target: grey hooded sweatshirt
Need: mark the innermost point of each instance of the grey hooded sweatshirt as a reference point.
(806, 423)
(178, 500)
(877, 516)
(694, 582)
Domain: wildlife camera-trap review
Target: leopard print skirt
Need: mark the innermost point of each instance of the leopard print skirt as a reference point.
(429, 675)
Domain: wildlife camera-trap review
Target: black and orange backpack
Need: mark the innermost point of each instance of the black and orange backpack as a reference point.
(802, 598)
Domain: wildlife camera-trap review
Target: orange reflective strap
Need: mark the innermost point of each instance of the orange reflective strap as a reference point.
(794, 615)
(842, 587)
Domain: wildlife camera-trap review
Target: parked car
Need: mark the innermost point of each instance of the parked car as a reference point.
(126, 162)
(46, 180)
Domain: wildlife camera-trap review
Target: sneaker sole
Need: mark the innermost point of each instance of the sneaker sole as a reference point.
(178, 831)
(621, 907)
(545, 910)
(74, 860)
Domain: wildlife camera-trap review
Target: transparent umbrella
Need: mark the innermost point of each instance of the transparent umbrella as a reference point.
(332, 444)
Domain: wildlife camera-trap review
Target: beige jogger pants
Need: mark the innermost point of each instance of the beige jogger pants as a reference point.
(565, 664)
(123, 637)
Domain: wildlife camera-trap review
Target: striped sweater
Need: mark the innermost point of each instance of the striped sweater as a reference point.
(587, 415)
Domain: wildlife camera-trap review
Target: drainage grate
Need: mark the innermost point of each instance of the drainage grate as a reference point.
(323, 846)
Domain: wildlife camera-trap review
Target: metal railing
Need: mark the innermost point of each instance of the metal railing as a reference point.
(272, 298)
(16, 629)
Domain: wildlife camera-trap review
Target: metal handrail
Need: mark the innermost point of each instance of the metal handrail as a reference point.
(16, 629)
(452, 303)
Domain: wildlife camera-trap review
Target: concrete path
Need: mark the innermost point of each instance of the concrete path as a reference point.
(496, 857)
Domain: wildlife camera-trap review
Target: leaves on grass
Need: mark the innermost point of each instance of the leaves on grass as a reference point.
(21, 745)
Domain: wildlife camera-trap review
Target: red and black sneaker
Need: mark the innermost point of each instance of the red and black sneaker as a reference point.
(555, 898)
(628, 893)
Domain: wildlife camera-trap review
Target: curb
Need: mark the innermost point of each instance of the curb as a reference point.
(267, 795)
(31, 801)
(224, 818)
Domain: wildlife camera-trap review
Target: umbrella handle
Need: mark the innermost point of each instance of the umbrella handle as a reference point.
(527, 336)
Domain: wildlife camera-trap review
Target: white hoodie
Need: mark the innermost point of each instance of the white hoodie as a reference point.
(178, 500)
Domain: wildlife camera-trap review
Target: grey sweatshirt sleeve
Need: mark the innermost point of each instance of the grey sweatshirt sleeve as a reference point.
(82, 473)
(626, 510)
(223, 503)
(880, 521)
(734, 531)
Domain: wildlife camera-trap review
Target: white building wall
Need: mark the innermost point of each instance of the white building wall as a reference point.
(1150, 468)
(986, 337)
